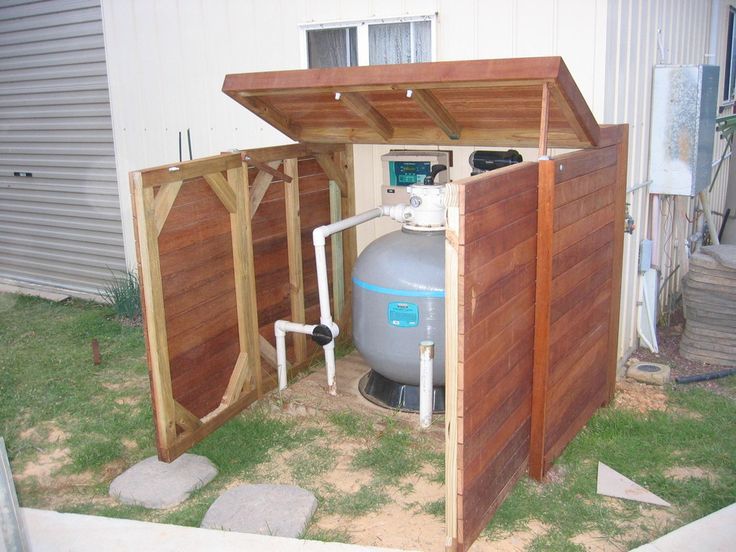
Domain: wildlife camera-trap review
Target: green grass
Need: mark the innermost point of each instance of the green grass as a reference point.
(48, 380)
(642, 447)
(396, 454)
(351, 424)
(327, 535)
(365, 500)
(47, 376)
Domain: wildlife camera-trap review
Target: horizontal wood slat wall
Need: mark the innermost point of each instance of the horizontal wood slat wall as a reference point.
(495, 329)
(271, 251)
(577, 362)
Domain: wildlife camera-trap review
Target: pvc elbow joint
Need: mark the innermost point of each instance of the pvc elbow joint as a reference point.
(318, 236)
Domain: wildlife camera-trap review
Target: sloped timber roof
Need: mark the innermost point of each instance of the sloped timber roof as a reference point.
(497, 102)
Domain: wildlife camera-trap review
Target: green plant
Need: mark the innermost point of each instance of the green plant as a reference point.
(123, 294)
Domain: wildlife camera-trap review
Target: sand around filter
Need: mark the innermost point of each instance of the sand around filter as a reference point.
(612, 483)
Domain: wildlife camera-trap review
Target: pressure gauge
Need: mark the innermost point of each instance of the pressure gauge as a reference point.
(415, 201)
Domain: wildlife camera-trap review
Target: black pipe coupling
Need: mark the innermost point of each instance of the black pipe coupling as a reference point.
(321, 335)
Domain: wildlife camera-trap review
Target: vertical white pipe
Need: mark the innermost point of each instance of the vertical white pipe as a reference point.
(426, 359)
(281, 358)
(323, 287)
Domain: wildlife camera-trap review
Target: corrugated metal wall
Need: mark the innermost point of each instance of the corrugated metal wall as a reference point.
(61, 226)
(642, 34)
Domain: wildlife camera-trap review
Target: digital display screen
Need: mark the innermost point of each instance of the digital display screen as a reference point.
(406, 173)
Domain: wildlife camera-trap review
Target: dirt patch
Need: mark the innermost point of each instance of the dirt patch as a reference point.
(128, 401)
(682, 473)
(652, 522)
(345, 478)
(112, 469)
(47, 432)
(45, 465)
(640, 397)
(129, 444)
(595, 541)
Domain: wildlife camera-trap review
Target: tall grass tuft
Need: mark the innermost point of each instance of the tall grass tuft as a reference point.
(123, 294)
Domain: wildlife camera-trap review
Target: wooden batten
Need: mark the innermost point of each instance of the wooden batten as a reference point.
(437, 112)
(453, 196)
(618, 256)
(260, 186)
(345, 159)
(338, 275)
(149, 270)
(294, 244)
(542, 311)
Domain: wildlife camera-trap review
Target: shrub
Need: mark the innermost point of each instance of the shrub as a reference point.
(123, 294)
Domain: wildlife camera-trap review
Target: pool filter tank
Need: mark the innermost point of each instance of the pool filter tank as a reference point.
(399, 301)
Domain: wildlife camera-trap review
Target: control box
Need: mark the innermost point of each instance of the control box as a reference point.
(402, 168)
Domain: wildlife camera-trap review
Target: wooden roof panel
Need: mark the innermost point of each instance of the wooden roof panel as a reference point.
(479, 102)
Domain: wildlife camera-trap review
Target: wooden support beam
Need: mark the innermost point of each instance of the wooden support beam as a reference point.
(268, 352)
(294, 246)
(185, 419)
(437, 112)
(164, 200)
(260, 187)
(289, 151)
(238, 380)
(247, 372)
(357, 103)
(544, 123)
(334, 171)
(618, 258)
(338, 276)
(542, 315)
(568, 113)
(264, 109)
(452, 366)
(223, 190)
(267, 167)
(349, 236)
(149, 270)
(168, 174)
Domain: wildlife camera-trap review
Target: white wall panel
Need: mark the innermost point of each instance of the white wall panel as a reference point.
(166, 61)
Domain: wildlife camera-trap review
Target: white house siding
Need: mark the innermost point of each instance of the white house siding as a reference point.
(642, 34)
(167, 59)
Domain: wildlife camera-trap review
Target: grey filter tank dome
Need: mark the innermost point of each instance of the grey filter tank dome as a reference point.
(398, 301)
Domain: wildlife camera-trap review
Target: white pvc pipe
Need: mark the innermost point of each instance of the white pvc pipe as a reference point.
(325, 315)
(280, 328)
(426, 359)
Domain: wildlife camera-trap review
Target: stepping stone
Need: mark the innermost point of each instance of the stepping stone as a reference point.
(277, 510)
(154, 484)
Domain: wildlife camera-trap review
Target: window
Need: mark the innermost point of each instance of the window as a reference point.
(729, 82)
(377, 42)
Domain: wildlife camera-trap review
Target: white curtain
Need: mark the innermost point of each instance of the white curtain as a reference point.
(332, 47)
(399, 43)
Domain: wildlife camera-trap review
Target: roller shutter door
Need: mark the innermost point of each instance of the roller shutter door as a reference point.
(59, 209)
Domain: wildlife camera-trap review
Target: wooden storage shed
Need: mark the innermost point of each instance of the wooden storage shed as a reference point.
(532, 262)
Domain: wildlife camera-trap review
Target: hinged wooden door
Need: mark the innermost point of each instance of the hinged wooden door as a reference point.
(490, 264)
(195, 266)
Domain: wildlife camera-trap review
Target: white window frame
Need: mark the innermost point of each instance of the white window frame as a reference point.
(361, 32)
